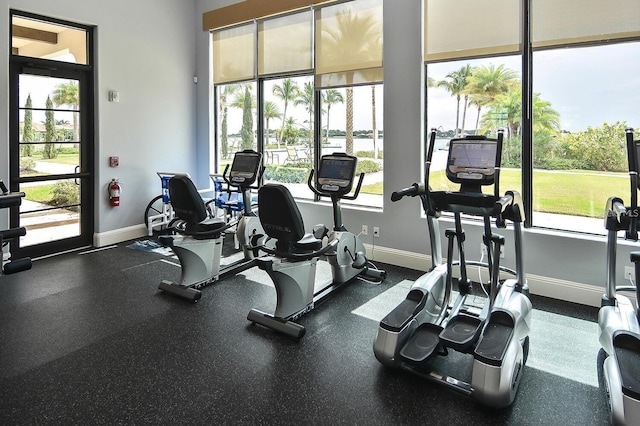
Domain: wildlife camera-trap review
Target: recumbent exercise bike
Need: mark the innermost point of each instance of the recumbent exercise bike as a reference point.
(198, 238)
(293, 261)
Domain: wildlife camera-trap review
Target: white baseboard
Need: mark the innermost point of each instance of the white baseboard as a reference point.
(555, 288)
(101, 239)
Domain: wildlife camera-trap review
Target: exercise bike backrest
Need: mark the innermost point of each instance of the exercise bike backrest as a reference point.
(281, 220)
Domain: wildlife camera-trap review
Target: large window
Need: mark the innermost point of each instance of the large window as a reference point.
(564, 125)
(583, 78)
(315, 92)
(474, 82)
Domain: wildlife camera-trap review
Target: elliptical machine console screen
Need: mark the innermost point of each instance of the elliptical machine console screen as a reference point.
(637, 146)
(244, 168)
(472, 161)
(336, 173)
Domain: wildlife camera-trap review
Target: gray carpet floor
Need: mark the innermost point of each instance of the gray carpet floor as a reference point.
(87, 338)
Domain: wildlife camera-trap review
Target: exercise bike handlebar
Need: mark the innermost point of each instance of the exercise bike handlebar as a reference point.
(331, 194)
(228, 181)
(412, 191)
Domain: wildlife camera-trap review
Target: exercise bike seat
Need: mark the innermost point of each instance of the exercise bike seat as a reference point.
(190, 209)
(282, 221)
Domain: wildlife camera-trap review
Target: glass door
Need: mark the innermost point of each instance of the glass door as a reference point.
(51, 143)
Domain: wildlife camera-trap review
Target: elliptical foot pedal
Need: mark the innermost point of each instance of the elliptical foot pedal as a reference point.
(461, 332)
(422, 344)
(494, 343)
(627, 353)
(397, 319)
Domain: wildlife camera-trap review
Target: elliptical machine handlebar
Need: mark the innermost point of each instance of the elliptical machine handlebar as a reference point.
(331, 194)
(412, 191)
(509, 206)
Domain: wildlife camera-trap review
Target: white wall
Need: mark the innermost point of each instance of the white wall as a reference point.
(146, 50)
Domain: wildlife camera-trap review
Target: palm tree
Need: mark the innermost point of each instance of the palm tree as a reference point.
(455, 83)
(225, 95)
(68, 94)
(330, 97)
(487, 82)
(353, 36)
(306, 98)
(270, 111)
(288, 91)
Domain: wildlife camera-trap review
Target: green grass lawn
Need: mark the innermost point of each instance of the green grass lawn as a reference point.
(63, 158)
(571, 192)
(40, 193)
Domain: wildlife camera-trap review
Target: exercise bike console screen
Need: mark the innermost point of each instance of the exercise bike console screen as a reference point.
(336, 173)
(244, 168)
(472, 161)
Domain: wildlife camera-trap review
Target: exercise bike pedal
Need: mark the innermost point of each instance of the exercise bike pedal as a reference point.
(422, 344)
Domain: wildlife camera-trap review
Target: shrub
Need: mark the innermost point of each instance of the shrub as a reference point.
(27, 164)
(65, 193)
(368, 154)
(288, 173)
(367, 166)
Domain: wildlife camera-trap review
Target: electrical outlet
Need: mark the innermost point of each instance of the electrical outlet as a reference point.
(365, 230)
(629, 273)
(483, 250)
(376, 232)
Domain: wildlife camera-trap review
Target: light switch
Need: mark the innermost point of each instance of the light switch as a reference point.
(114, 96)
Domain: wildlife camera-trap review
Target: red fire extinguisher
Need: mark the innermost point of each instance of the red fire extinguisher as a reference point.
(114, 192)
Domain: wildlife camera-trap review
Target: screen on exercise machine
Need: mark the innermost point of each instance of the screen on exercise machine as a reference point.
(244, 168)
(472, 161)
(336, 173)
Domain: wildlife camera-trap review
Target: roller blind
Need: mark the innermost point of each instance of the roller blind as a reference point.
(284, 44)
(234, 54)
(349, 44)
(470, 28)
(555, 22)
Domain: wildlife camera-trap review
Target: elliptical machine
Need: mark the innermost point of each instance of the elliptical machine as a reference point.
(430, 321)
(618, 319)
(198, 240)
(292, 264)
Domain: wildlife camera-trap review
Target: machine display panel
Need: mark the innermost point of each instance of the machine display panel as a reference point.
(245, 167)
(336, 173)
(472, 161)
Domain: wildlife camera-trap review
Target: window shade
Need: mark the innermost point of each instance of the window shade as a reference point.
(234, 54)
(349, 44)
(284, 44)
(556, 22)
(470, 28)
